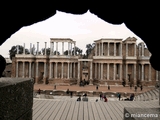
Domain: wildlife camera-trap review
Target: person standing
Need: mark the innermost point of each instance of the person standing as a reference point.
(97, 87)
(108, 87)
(39, 91)
(135, 88)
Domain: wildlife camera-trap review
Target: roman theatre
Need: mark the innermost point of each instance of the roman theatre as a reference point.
(111, 62)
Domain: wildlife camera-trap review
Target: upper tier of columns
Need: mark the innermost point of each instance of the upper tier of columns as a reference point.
(101, 48)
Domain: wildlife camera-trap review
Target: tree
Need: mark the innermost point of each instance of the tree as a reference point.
(89, 47)
(13, 51)
(77, 51)
(47, 51)
(58, 53)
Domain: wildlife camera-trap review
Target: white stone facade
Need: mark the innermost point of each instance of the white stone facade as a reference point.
(111, 62)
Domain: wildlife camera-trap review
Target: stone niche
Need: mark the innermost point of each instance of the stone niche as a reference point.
(16, 98)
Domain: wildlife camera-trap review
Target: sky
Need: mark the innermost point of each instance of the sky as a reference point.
(84, 29)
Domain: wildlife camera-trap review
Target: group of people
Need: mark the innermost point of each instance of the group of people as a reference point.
(84, 82)
(131, 98)
(103, 97)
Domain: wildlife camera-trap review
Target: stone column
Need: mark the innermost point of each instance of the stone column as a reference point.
(101, 71)
(156, 75)
(51, 48)
(114, 72)
(139, 50)
(142, 77)
(142, 49)
(126, 74)
(139, 70)
(68, 48)
(30, 70)
(99, 64)
(37, 48)
(95, 49)
(74, 67)
(68, 70)
(114, 49)
(74, 49)
(30, 48)
(44, 75)
(17, 69)
(62, 70)
(126, 49)
(71, 48)
(37, 72)
(99, 49)
(135, 71)
(17, 49)
(23, 69)
(120, 74)
(62, 48)
(24, 48)
(71, 70)
(50, 70)
(45, 52)
(108, 49)
(91, 70)
(135, 49)
(56, 48)
(95, 70)
(78, 71)
(56, 70)
(150, 73)
(107, 71)
(102, 49)
(120, 49)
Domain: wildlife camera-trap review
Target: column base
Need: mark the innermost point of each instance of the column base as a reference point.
(91, 82)
(44, 80)
(36, 80)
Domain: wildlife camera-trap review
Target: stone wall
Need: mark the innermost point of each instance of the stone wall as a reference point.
(16, 96)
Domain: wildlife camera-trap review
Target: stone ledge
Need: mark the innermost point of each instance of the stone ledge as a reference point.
(16, 96)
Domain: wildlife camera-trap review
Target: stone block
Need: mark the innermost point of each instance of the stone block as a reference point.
(16, 98)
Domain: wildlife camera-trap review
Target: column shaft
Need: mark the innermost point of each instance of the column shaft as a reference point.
(30, 71)
(142, 79)
(120, 75)
(134, 72)
(62, 71)
(95, 49)
(99, 49)
(135, 49)
(23, 69)
(74, 70)
(37, 72)
(102, 49)
(126, 49)
(78, 70)
(56, 48)
(142, 49)
(71, 70)
(37, 48)
(62, 48)
(114, 49)
(17, 69)
(107, 71)
(50, 70)
(95, 70)
(150, 72)
(51, 49)
(114, 72)
(126, 73)
(108, 49)
(101, 71)
(68, 70)
(91, 70)
(56, 70)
